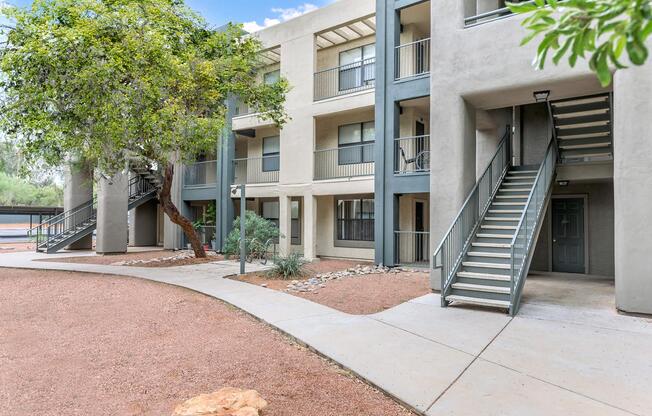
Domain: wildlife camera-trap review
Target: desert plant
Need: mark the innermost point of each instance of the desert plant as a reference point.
(258, 231)
(286, 267)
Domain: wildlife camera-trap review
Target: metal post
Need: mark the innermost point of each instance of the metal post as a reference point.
(243, 210)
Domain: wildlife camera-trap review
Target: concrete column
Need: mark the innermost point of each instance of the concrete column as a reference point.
(453, 171)
(633, 188)
(143, 223)
(173, 235)
(309, 226)
(78, 189)
(112, 213)
(285, 224)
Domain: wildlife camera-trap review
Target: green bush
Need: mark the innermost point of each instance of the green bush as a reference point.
(258, 231)
(286, 267)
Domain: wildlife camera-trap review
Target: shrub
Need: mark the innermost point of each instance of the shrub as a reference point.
(258, 231)
(290, 266)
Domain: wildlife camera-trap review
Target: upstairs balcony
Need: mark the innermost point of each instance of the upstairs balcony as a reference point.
(344, 162)
(200, 174)
(345, 59)
(483, 11)
(256, 170)
(412, 55)
(412, 155)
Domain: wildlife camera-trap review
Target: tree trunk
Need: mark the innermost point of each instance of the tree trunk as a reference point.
(165, 198)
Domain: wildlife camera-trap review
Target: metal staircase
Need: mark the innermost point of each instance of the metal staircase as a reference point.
(72, 225)
(485, 256)
(583, 128)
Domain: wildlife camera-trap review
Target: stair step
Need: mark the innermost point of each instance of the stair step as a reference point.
(518, 184)
(591, 118)
(484, 276)
(505, 236)
(491, 255)
(512, 196)
(505, 211)
(505, 219)
(486, 265)
(604, 141)
(479, 301)
(482, 288)
(580, 108)
(491, 245)
(508, 203)
(518, 172)
(499, 227)
(580, 153)
(514, 190)
(581, 131)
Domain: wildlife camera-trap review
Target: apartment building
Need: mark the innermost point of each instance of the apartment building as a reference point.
(421, 135)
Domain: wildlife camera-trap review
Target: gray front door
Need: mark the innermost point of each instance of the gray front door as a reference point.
(568, 235)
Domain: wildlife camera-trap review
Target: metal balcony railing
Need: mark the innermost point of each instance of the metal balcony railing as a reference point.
(344, 162)
(256, 170)
(200, 174)
(412, 59)
(412, 248)
(242, 109)
(345, 79)
(491, 15)
(412, 155)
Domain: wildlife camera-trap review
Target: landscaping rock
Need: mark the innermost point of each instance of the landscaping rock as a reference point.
(224, 402)
(319, 281)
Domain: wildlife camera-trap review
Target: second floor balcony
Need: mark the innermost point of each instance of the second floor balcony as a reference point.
(412, 155)
(344, 162)
(200, 174)
(412, 59)
(345, 79)
(256, 170)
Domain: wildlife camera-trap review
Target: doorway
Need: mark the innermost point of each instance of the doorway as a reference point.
(420, 227)
(568, 237)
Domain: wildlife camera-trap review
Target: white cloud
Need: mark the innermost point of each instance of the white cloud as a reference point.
(281, 15)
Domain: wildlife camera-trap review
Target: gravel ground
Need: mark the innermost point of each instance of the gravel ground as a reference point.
(83, 344)
(358, 295)
(142, 255)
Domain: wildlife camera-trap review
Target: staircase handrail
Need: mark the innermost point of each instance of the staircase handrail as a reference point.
(67, 221)
(529, 222)
(454, 243)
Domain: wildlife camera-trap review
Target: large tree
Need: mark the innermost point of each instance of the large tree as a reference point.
(599, 30)
(117, 81)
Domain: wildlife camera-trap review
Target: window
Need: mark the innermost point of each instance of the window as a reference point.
(271, 153)
(355, 219)
(357, 67)
(270, 211)
(355, 143)
(272, 77)
(295, 231)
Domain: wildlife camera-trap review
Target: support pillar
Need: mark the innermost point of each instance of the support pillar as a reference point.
(285, 224)
(310, 227)
(112, 214)
(632, 108)
(78, 189)
(143, 223)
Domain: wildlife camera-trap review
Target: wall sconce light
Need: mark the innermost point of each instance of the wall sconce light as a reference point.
(562, 183)
(541, 96)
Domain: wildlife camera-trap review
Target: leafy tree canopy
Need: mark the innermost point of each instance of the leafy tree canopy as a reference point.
(601, 31)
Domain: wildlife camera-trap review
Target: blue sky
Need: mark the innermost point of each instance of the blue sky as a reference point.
(254, 13)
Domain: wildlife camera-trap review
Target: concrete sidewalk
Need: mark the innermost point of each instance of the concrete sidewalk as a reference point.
(583, 360)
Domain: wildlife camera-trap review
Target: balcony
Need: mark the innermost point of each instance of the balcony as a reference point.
(344, 162)
(412, 248)
(412, 59)
(484, 11)
(256, 170)
(412, 155)
(200, 174)
(345, 79)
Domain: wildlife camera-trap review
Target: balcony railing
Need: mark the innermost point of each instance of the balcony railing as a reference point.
(344, 162)
(345, 79)
(491, 15)
(256, 170)
(412, 155)
(412, 248)
(412, 59)
(242, 109)
(200, 174)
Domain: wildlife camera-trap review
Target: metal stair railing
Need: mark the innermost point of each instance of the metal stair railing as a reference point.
(450, 251)
(140, 187)
(523, 243)
(71, 220)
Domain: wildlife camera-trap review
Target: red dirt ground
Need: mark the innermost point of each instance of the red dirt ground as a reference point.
(141, 255)
(82, 344)
(357, 295)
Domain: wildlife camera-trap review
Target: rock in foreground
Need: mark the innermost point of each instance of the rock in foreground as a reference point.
(224, 402)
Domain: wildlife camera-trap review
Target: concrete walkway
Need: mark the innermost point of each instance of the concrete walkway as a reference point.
(579, 358)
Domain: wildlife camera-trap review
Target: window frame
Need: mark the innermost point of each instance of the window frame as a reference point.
(271, 155)
(354, 243)
(360, 144)
(367, 73)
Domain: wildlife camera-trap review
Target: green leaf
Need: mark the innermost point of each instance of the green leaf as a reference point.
(521, 7)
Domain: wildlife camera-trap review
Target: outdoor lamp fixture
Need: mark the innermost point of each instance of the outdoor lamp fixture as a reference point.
(562, 183)
(541, 96)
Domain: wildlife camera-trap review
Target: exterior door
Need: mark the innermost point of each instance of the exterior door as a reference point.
(420, 227)
(568, 235)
